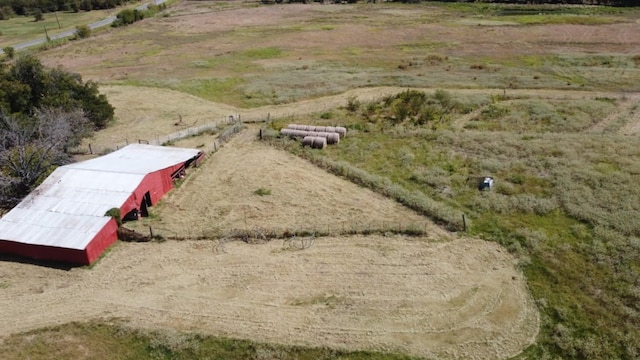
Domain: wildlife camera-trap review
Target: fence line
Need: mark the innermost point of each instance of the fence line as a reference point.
(259, 234)
(228, 121)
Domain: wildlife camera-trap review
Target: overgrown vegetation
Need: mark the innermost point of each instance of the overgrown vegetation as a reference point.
(564, 203)
(10, 8)
(114, 340)
(129, 16)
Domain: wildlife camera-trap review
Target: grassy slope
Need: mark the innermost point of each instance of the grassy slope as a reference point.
(565, 202)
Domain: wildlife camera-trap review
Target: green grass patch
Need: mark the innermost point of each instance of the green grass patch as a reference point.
(115, 340)
(263, 53)
(23, 28)
(262, 192)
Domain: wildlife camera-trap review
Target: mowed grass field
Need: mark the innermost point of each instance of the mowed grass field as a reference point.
(544, 99)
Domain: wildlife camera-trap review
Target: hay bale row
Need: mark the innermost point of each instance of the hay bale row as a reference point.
(332, 138)
(342, 131)
(316, 142)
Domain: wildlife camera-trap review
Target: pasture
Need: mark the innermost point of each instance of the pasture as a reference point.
(547, 103)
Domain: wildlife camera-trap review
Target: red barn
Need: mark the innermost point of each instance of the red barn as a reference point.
(64, 218)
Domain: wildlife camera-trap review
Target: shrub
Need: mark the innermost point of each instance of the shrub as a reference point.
(326, 115)
(9, 52)
(37, 15)
(115, 213)
(6, 13)
(262, 191)
(353, 104)
(83, 31)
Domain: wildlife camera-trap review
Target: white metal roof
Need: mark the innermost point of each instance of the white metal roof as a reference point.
(68, 209)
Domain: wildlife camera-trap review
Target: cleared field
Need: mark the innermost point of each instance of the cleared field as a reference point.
(458, 298)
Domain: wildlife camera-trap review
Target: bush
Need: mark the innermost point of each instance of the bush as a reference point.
(37, 15)
(83, 31)
(115, 213)
(9, 52)
(262, 191)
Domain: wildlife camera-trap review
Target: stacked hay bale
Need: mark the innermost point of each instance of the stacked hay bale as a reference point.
(331, 134)
(315, 142)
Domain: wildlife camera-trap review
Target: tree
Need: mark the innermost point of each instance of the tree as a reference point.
(33, 87)
(37, 15)
(31, 148)
(29, 71)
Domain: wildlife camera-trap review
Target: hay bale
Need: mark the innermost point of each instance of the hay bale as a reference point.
(330, 129)
(320, 128)
(322, 134)
(341, 130)
(292, 126)
(286, 132)
(307, 141)
(311, 128)
(319, 143)
(333, 138)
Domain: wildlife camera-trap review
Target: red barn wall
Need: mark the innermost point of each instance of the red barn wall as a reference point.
(105, 238)
(42, 252)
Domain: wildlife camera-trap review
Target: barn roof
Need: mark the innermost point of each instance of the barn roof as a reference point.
(68, 209)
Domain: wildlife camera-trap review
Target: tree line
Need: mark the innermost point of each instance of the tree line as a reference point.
(10, 8)
(519, 2)
(44, 114)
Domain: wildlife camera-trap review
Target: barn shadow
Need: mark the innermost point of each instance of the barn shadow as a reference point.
(49, 264)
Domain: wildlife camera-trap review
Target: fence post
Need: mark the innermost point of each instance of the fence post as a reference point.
(150, 232)
(90, 150)
(464, 223)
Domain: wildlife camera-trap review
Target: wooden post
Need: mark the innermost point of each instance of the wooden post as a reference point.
(464, 223)
(90, 150)
(56, 14)
(150, 232)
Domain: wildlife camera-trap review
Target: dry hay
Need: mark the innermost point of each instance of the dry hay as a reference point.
(307, 141)
(449, 299)
(319, 142)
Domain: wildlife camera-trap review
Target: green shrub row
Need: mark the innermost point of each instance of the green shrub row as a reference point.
(129, 16)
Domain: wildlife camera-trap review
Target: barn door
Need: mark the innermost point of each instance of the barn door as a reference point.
(146, 202)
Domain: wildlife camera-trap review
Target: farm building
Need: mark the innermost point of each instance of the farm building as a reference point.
(64, 218)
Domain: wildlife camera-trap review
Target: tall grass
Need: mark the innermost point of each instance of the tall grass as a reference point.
(565, 202)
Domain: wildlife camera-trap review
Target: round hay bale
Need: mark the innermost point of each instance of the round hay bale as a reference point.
(341, 130)
(333, 138)
(292, 126)
(311, 128)
(320, 128)
(330, 129)
(322, 134)
(319, 143)
(307, 141)
(286, 132)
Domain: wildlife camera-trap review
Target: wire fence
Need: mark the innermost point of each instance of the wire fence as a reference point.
(227, 126)
(260, 234)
